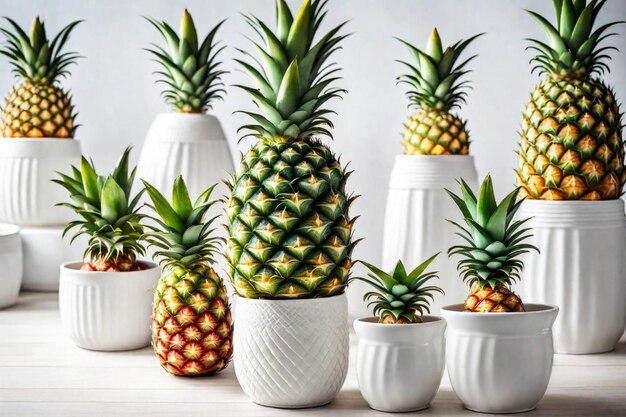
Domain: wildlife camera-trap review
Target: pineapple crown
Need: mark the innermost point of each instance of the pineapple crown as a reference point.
(292, 76)
(109, 213)
(191, 70)
(182, 237)
(35, 58)
(572, 49)
(495, 240)
(434, 78)
(401, 295)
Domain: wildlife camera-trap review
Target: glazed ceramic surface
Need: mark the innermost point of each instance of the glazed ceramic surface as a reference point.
(399, 367)
(581, 269)
(500, 362)
(27, 196)
(10, 264)
(107, 311)
(291, 353)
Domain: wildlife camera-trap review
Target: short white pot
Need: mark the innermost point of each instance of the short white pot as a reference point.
(291, 353)
(500, 362)
(107, 311)
(400, 366)
(27, 166)
(44, 250)
(581, 269)
(10, 264)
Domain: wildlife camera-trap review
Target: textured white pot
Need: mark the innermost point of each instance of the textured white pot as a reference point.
(415, 218)
(291, 353)
(191, 145)
(500, 362)
(10, 264)
(27, 166)
(581, 269)
(107, 311)
(400, 366)
(44, 250)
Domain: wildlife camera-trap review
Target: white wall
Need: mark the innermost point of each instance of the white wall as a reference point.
(115, 94)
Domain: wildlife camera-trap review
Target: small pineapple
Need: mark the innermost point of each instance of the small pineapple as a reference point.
(109, 216)
(401, 297)
(435, 90)
(191, 324)
(495, 242)
(37, 107)
(571, 144)
(191, 70)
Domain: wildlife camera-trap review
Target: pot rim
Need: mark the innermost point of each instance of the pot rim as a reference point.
(435, 157)
(573, 203)
(38, 140)
(457, 310)
(287, 301)
(9, 229)
(68, 266)
(175, 114)
(433, 321)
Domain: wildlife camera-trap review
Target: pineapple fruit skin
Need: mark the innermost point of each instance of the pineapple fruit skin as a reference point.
(488, 300)
(192, 327)
(36, 111)
(571, 142)
(432, 132)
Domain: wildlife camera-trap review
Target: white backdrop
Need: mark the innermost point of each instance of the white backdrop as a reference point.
(114, 90)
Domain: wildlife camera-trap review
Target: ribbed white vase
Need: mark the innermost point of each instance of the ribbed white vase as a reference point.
(291, 353)
(10, 264)
(416, 216)
(27, 166)
(581, 269)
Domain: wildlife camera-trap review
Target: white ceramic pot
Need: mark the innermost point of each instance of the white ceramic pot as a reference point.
(581, 269)
(107, 311)
(27, 166)
(500, 362)
(400, 366)
(416, 224)
(44, 250)
(291, 353)
(10, 264)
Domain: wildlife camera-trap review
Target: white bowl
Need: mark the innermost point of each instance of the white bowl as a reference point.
(10, 264)
(400, 366)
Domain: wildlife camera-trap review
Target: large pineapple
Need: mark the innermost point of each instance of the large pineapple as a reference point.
(191, 324)
(191, 72)
(495, 241)
(435, 89)
(37, 107)
(108, 215)
(571, 140)
(290, 235)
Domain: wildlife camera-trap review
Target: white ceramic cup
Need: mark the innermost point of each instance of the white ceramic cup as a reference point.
(10, 264)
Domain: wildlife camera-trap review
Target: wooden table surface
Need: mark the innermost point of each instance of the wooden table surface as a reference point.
(43, 374)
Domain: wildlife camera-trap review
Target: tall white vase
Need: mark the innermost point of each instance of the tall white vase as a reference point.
(10, 264)
(581, 269)
(415, 218)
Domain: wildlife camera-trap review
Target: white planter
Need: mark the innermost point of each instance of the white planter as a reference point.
(44, 250)
(27, 166)
(581, 269)
(415, 218)
(500, 362)
(10, 264)
(291, 353)
(107, 311)
(191, 145)
(400, 366)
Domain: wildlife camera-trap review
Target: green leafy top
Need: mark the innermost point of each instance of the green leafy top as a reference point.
(182, 237)
(34, 58)
(109, 213)
(292, 75)
(495, 239)
(572, 49)
(191, 70)
(434, 77)
(402, 296)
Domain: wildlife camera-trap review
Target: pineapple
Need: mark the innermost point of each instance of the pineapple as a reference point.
(435, 90)
(191, 72)
(495, 242)
(571, 145)
(290, 233)
(191, 325)
(37, 107)
(400, 297)
(109, 216)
